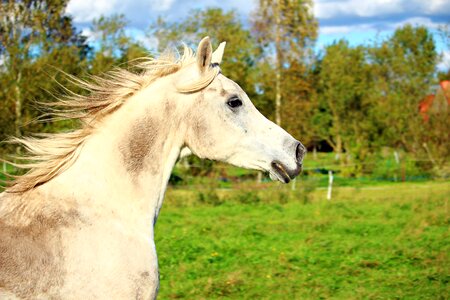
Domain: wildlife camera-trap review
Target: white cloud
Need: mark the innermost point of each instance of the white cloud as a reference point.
(376, 27)
(2, 62)
(162, 5)
(444, 64)
(137, 12)
(436, 6)
(350, 19)
(378, 8)
(91, 36)
(427, 22)
(141, 37)
(142, 12)
(85, 11)
(346, 29)
(331, 9)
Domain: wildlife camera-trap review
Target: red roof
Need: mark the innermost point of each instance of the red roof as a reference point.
(428, 103)
(445, 86)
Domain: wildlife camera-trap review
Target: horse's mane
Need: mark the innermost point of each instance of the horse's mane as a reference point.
(50, 154)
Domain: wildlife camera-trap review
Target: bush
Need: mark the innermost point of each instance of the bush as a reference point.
(209, 197)
(387, 168)
(246, 197)
(306, 187)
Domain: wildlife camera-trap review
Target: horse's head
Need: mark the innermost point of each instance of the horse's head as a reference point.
(224, 125)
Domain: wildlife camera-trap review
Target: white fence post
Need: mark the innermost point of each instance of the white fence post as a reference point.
(397, 160)
(397, 157)
(259, 177)
(330, 184)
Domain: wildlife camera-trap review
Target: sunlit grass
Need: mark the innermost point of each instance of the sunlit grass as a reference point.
(386, 242)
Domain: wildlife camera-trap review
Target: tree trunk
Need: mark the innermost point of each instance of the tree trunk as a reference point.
(18, 107)
(339, 153)
(278, 64)
(18, 110)
(339, 148)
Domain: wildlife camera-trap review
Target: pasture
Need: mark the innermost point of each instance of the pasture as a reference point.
(389, 241)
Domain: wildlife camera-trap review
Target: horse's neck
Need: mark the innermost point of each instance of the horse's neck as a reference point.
(123, 169)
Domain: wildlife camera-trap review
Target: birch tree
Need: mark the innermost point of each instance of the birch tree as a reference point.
(34, 35)
(114, 45)
(342, 115)
(286, 30)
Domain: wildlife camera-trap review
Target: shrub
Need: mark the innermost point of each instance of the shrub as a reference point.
(247, 197)
(209, 197)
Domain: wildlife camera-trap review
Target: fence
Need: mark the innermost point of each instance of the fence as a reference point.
(324, 172)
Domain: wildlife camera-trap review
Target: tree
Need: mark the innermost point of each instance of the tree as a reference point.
(239, 60)
(286, 30)
(114, 45)
(33, 35)
(342, 116)
(403, 71)
(444, 33)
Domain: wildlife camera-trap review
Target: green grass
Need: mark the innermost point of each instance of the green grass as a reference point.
(376, 239)
(382, 242)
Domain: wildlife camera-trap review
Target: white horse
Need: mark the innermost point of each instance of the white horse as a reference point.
(79, 224)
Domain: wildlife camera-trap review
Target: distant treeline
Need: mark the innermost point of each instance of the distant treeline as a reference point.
(352, 100)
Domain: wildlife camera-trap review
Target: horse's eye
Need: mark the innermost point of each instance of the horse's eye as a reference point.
(234, 102)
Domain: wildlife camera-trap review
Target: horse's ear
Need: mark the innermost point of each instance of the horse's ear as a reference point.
(217, 55)
(204, 54)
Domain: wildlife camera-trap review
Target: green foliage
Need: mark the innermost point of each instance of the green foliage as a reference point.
(33, 36)
(306, 189)
(357, 100)
(289, 21)
(209, 197)
(387, 168)
(368, 98)
(286, 32)
(247, 197)
(343, 88)
(403, 71)
(115, 46)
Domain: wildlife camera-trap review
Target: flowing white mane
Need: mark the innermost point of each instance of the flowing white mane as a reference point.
(50, 154)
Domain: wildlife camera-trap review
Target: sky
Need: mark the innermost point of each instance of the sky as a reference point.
(358, 21)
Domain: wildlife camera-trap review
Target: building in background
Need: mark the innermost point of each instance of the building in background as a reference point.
(437, 102)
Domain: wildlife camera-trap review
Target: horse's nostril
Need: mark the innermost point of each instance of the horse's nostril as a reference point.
(300, 152)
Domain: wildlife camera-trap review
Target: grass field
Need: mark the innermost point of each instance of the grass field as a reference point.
(382, 242)
(376, 239)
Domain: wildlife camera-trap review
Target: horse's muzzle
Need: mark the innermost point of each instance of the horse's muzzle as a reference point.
(286, 174)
